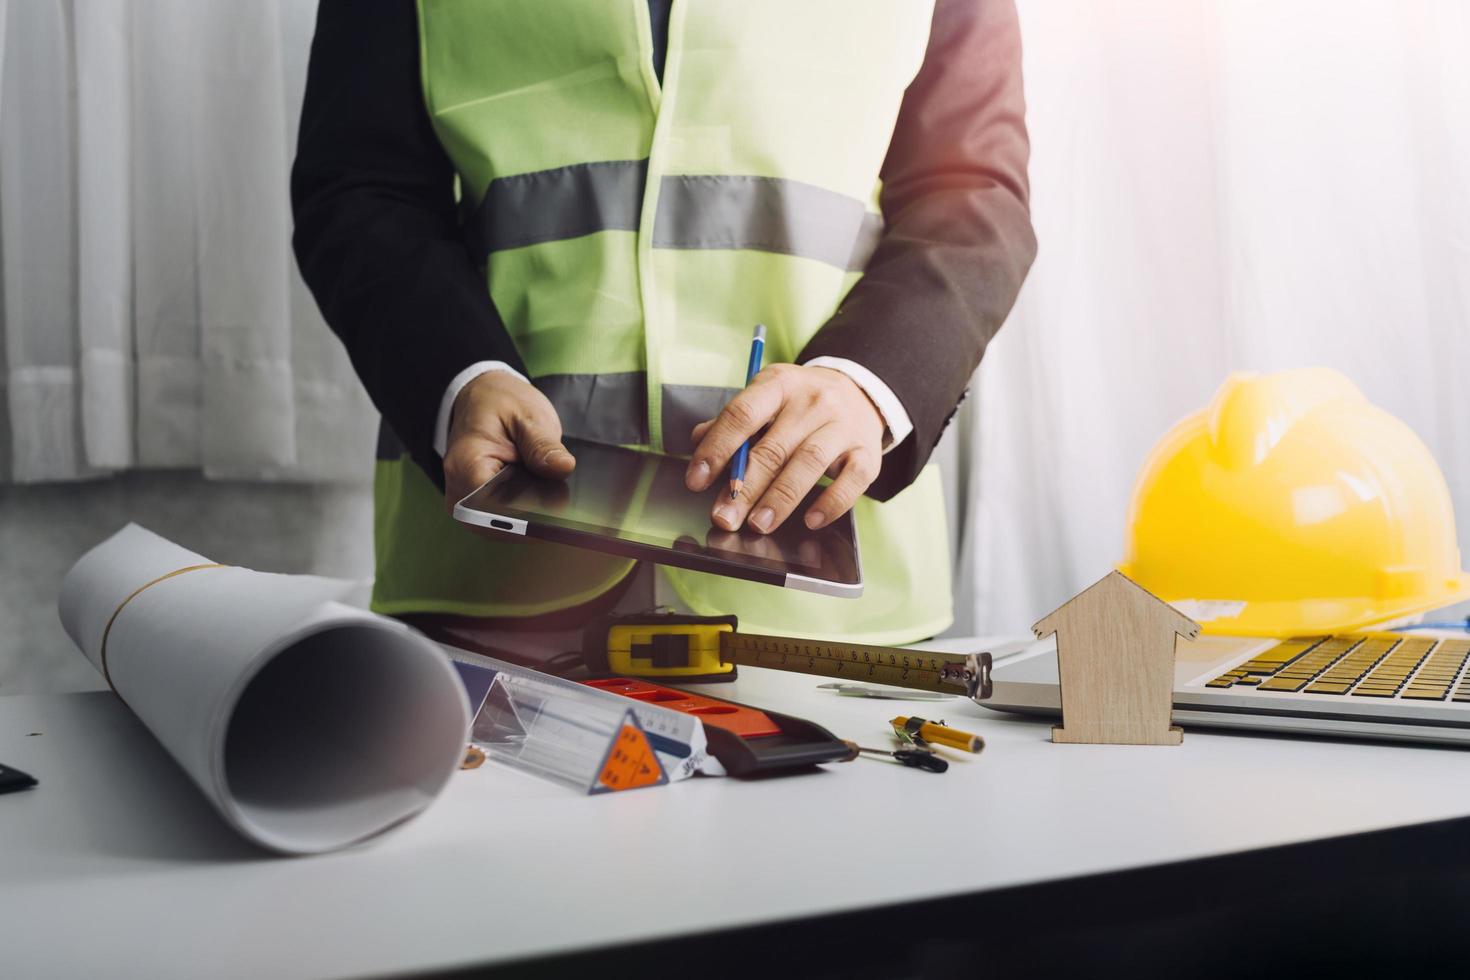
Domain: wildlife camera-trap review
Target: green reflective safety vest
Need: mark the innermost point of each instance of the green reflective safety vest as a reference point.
(633, 233)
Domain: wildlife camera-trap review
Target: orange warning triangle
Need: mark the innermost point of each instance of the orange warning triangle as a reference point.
(631, 762)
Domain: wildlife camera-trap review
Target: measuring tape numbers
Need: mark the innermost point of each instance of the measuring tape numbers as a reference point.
(698, 648)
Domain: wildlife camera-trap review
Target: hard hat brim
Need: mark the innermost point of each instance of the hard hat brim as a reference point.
(1313, 616)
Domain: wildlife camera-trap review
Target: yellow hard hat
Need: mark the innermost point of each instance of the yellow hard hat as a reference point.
(1291, 505)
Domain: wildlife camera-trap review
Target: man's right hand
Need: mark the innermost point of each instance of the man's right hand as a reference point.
(498, 419)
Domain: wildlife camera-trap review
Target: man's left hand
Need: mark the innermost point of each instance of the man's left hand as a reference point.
(817, 421)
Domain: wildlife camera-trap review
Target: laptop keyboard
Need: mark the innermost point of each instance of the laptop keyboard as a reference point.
(1409, 668)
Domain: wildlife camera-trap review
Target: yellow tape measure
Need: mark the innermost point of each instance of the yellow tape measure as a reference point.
(706, 648)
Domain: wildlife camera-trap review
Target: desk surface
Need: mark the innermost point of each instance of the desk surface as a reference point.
(116, 860)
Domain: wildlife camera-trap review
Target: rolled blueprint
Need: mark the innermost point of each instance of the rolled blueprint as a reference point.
(309, 724)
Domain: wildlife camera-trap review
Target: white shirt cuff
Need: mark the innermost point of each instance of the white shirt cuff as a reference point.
(446, 404)
(894, 417)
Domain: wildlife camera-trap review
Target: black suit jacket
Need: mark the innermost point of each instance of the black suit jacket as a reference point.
(379, 244)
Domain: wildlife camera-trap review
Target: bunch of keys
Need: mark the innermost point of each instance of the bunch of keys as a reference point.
(915, 758)
(918, 752)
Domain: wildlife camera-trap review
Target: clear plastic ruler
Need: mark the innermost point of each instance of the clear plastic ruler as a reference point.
(574, 734)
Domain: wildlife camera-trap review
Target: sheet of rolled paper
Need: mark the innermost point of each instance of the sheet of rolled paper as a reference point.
(308, 724)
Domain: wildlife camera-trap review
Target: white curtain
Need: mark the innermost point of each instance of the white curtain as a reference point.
(152, 312)
(1230, 185)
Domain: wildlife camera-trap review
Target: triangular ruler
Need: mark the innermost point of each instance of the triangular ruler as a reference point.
(630, 761)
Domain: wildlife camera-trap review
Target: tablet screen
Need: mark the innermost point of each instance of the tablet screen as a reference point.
(639, 498)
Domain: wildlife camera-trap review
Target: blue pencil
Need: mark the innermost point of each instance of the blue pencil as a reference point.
(737, 465)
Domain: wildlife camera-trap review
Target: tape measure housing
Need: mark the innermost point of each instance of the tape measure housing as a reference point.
(680, 648)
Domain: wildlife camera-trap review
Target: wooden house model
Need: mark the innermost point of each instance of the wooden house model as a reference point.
(1115, 660)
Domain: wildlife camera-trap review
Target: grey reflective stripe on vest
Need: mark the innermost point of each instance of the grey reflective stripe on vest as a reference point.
(766, 214)
(611, 408)
(684, 407)
(550, 205)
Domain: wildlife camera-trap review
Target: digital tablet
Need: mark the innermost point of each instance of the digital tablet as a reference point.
(634, 504)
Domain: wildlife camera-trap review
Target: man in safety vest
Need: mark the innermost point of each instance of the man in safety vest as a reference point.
(534, 218)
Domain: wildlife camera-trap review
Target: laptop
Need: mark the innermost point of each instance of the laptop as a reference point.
(1377, 685)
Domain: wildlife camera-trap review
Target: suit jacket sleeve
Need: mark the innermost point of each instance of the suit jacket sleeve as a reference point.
(957, 240)
(377, 236)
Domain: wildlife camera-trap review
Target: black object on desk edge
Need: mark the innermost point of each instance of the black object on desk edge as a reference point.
(13, 779)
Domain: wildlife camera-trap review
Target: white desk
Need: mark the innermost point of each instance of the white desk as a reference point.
(115, 866)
